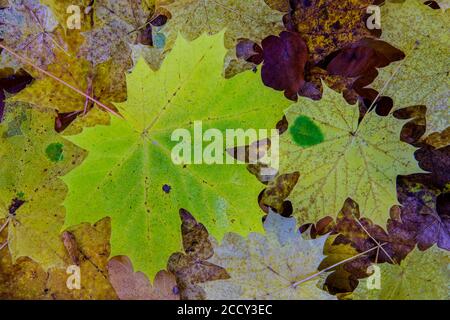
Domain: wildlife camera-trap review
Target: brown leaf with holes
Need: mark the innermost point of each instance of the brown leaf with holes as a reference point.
(191, 267)
(278, 190)
(328, 26)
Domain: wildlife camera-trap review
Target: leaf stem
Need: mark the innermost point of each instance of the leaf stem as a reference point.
(3, 245)
(4, 225)
(295, 285)
(373, 239)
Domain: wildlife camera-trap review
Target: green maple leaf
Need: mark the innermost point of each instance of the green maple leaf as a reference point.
(129, 174)
(33, 155)
(273, 266)
(421, 276)
(338, 158)
(422, 77)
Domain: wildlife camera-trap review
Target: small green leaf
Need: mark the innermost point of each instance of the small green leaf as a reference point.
(54, 152)
(305, 132)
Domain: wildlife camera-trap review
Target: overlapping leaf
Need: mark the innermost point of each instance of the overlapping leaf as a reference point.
(277, 265)
(338, 157)
(105, 82)
(129, 174)
(328, 26)
(422, 77)
(191, 267)
(30, 29)
(251, 19)
(27, 279)
(421, 276)
(11, 82)
(33, 156)
(125, 27)
(243, 19)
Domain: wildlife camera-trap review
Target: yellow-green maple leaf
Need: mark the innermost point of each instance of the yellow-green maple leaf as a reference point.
(338, 158)
(33, 155)
(421, 276)
(422, 78)
(129, 174)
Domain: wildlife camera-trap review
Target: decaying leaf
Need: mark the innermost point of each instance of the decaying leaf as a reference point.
(125, 27)
(422, 214)
(26, 279)
(277, 265)
(191, 267)
(351, 69)
(29, 29)
(106, 82)
(417, 221)
(252, 19)
(49, 93)
(278, 190)
(328, 26)
(439, 139)
(339, 279)
(288, 66)
(422, 77)
(284, 74)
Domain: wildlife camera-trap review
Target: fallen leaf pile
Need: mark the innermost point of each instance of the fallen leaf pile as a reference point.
(94, 204)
